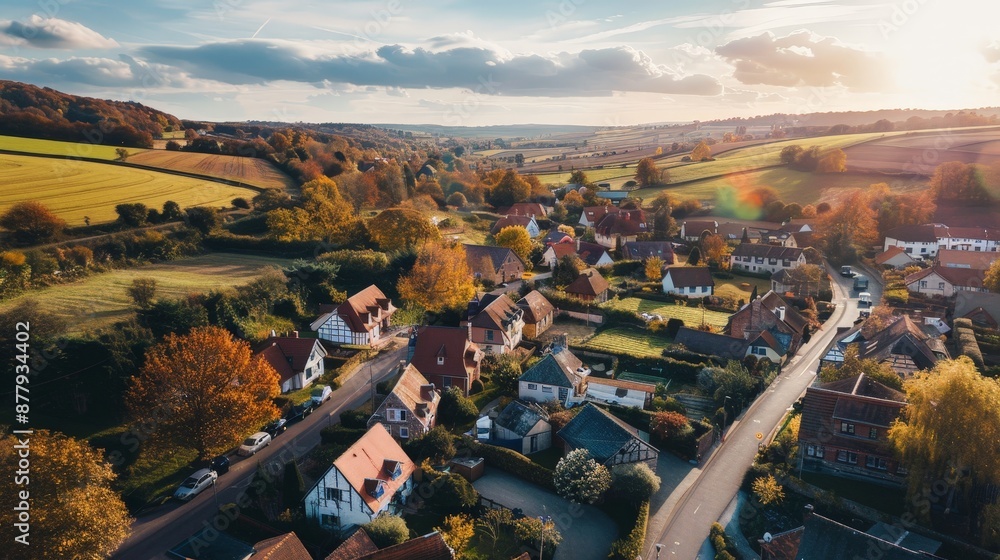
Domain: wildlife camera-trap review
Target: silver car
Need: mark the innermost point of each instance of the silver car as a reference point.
(194, 484)
(254, 443)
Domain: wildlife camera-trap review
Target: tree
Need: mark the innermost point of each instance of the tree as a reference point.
(878, 319)
(323, 214)
(396, 229)
(515, 238)
(669, 425)
(790, 154)
(566, 270)
(387, 530)
(142, 291)
(955, 180)
(529, 530)
(701, 152)
(568, 230)
(992, 280)
(768, 490)
(634, 482)
(437, 446)
(267, 200)
(834, 161)
(694, 257)
(132, 214)
(848, 230)
(455, 408)
(579, 177)
(457, 200)
(951, 412)
(440, 279)
(75, 513)
(716, 249)
(654, 269)
(121, 154)
(509, 189)
(503, 370)
(32, 222)
(580, 479)
(494, 523)
(457, 530)
(646, 173)
(204, 390)
(202, 218)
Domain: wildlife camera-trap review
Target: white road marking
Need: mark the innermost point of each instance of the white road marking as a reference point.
(696, 509)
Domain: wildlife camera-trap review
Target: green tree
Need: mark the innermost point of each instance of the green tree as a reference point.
(121, 154)
(437, 446)
(132, 214)
(768, 490)
(143, 292)
(387, 530)
(634, 482)
(566, 270)
(202, 218)
(517, 239)
(32, 222)
(951, 412)
(75, 511)
(579, 177)
(580, 479)
(503, 370)
(790, 154)
(455, 408)
(509, 189)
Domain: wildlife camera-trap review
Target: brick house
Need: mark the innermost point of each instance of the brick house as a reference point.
(496, 264)
(445, 356)
(773, 314)
(538, 313)
(495, 323)
(589, 286)
(410, 409)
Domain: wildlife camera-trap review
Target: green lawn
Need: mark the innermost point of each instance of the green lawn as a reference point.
(55, 147)
(734, 288)
(101, 299)
(691, 316)
(628, 340)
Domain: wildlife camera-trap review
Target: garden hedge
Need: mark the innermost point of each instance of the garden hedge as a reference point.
(510, 461)
(629, 547)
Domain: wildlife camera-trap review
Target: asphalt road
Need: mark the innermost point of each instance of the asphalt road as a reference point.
(704, 501)
(155, 532)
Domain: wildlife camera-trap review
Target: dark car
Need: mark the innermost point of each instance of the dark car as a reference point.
(220, 464)
(298, 412)
(276, 427)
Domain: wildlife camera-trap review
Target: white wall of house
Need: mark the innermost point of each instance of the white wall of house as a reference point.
(539, 438)
(932, 285)
(336, 330)
(532, 228)
(540, 393)
(758, 264)
(669, 288)
(549, 257)
(609, 394)
(611, 241)
(336, 505)
(916, 249)
(967, 244)
(312, 372)
(764, 352)
(899, 261)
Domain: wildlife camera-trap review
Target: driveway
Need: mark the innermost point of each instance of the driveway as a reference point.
(586, 531)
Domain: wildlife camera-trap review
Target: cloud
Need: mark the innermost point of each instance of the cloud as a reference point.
(125, 72)
(804, 59)
(52, 33)
(992, 52)
(477, 68)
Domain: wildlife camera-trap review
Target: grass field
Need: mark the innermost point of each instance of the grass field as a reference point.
(692, 316)
(101, 300)
(632, 341)
(733, 288)
(74, 189)
(248, 170)
(55, 147)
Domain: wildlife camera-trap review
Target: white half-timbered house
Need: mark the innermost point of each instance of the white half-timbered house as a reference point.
(362, 319)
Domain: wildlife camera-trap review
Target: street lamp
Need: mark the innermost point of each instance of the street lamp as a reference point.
(725, 416)
(541, 538)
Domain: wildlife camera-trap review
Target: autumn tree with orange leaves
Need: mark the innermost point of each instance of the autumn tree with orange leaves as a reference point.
(847, 230)
(205, 390)
(440, 279)
(75, 512)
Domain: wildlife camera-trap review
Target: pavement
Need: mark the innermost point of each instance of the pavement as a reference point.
(587, 532)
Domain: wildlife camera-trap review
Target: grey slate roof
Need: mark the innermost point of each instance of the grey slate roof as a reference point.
(760, 250)
(824, 539)
(712, 344)
(519, 418)
(555, 369)
(597, 431)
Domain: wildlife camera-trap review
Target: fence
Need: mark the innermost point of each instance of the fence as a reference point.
(590, 317)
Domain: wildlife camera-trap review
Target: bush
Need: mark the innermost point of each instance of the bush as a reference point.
(437, 446)
(673, 325)
(511, 461)
(634, 482)
(629, 547)
(455, 408)
(451, 492)
(387, 530)
(241, 202)
(581, 479)
(356, 419)
(476, 387)
(339, 435)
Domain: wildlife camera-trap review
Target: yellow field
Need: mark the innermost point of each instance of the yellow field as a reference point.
(74, 189)
(252, 171)
(55, 147)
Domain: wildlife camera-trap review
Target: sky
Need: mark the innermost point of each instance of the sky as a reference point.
(474, 63)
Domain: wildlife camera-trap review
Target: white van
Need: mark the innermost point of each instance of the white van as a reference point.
(864, 299)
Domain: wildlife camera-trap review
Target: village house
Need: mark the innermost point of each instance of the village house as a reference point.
(494, 264)
(620, 392)
(495, 323)
(373, 477)
(968, 238)
(795, 282)
(298, 361)
(556, 237)
(527, 222)
(761, 258)
(445, 356)
(591, 254)
(538, 314)
(894, 257)
(535, 210)
(691, 281)
(362, 319)
(977, 260)
(522, 427)
(982, 309)
(844, 429)
(773, 314)
(281, 547)
(410, 409)
(920, 242)
(558, 376)
(903, 344)
(620, 227)
(945, 281)
(691, 230)
(609, 441)
(642, 250)
(589, 286)
(593, 214)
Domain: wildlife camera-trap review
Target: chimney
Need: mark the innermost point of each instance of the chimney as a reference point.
(295, 334)
(780, 311)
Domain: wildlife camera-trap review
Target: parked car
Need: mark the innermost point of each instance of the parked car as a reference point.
(220, 464)
(195, 484)
(276, 427)
(321, 394)
(846, 271)
(255, 443)
(299, 411)
(860, 283)
(864, 299)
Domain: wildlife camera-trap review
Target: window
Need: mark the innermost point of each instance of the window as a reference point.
(846, 428)
(489, 335)
(923, 249)
(309, 372)
(704, 289)
(532, 386)
(923, 283)
(329, 520)
(872, 433)
(563, 393)
(901, 470)
(396, 415)
(876, 463)
(404, 432)
(440, 360)
(335, 494)
(908, 250)
(546, 389)
(847, 457)
(940, 285)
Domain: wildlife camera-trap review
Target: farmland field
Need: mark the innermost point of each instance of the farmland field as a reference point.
(101, 300)
(922, 152)
(252, 171)
(691, 316)
(792, 186)
(74, 189)
(631, 341)
(55, 147)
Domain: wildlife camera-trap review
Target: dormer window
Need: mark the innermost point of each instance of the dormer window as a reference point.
(440, 360)
(393, 469)
(374, 488)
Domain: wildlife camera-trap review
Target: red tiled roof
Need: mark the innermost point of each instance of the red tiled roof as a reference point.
(361, 312)
(427, 547)
(451, 343)
(623, 222)
(289, 355)
(595, 213)
(953, 258)
(588, 283)
(535, 307)
(282, 547)
(693, 228)
(526, 209)
(964, 277)
(357, 545)
(926, 233)
(412, 389)
(365, 460)
(888, 254)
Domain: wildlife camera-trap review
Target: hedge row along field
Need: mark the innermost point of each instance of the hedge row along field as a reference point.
(74, 189)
